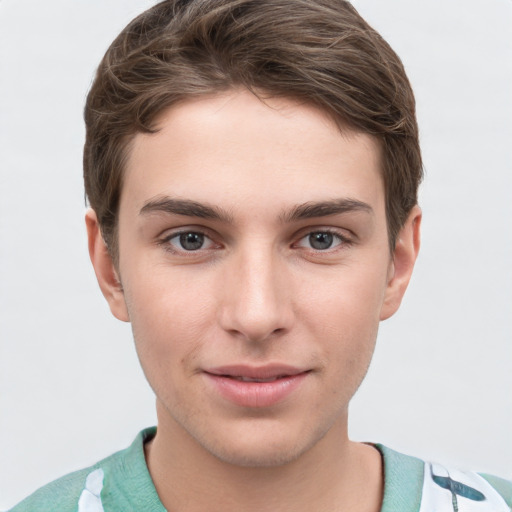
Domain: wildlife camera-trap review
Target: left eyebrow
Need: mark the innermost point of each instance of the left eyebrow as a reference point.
(185, 207)
(325, 208)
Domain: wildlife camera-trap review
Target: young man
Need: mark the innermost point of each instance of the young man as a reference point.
(252, 169)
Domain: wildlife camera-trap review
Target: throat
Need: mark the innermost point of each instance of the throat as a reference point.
(329, 476)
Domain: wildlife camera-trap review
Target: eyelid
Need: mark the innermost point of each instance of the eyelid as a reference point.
(207, 241)
(344, 236)
(343, 239)
(169, 234)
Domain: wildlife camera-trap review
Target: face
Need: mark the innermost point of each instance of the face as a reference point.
(255, 269)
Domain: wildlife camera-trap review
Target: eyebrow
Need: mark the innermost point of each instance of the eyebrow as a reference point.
(326, 208)
(185, 207)
(308, 210)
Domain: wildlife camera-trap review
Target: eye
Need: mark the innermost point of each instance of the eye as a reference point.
(321, 240)
(189, 241)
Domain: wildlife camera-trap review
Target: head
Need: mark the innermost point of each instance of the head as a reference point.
(318, 52)
(252, 166)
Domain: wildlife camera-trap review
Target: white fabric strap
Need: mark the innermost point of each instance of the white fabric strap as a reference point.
(90, 499)
(450, 490)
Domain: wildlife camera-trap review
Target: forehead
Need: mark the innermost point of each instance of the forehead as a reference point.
(236, 149)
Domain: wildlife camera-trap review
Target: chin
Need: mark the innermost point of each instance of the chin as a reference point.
(257, 457)
(262, 447)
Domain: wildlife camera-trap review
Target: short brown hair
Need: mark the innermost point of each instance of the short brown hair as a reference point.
(317, 51)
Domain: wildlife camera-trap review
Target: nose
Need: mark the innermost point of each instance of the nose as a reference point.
(256, 303)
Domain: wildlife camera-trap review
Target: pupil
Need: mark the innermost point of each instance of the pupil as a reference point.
(191, 241)
(321, 240)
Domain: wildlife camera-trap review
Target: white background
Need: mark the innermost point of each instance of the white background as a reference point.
(440, 385)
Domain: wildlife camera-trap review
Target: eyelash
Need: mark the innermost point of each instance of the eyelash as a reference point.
(165, 242)
(342, 241)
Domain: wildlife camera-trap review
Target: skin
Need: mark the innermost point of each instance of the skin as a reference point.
(259, 291)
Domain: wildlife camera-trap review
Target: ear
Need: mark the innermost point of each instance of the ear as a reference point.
(401, 267)
(104, 268)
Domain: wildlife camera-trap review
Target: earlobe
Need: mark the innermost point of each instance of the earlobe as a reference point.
(404, 257)
(104, 268)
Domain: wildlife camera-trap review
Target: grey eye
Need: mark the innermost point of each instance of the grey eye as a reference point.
(321, 240)
(190, 241)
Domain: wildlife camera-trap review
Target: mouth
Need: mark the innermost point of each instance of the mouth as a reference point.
(248, 373)
(251, 379)
(250, 386)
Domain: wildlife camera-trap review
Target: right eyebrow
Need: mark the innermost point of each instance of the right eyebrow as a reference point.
(185, 207)
(326, 208)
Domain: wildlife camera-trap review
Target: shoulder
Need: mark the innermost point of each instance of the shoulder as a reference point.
(433, 486)
(62, 494)
(109, 481)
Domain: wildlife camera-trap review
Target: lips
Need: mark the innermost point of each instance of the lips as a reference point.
(250, 386)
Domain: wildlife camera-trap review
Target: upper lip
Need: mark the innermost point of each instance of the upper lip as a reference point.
(268, 371)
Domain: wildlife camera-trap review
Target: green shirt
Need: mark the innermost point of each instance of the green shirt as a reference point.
(121, 483)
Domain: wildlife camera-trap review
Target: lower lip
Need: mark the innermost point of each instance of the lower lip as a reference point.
(256, 394)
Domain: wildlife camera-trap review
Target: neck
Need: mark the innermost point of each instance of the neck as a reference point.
(334, 475)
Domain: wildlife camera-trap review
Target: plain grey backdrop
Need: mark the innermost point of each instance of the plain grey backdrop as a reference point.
(440, 385)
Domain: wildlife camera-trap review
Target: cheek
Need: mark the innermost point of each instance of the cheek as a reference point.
(350, 346)
(346, 299)
(344, 318)
(170, 320)
(169, 342)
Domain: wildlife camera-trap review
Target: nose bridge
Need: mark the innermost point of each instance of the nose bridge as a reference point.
(255, 304)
